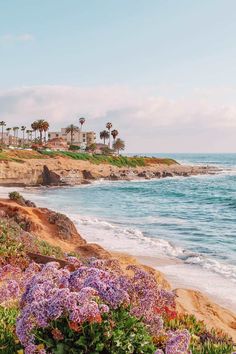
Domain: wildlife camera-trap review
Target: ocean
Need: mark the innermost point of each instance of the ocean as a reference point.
(188, 220)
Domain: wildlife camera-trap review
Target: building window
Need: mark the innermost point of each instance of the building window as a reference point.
(49, 135)
(57, 135)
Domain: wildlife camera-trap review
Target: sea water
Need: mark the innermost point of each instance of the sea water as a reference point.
(189, 219)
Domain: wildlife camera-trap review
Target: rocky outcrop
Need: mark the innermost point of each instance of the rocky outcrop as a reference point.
(64, 171)
(50, 178)
(55, 228)
(66, 228)
(87, 175)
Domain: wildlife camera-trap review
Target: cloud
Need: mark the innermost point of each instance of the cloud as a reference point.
(200, 121)
(9, 38)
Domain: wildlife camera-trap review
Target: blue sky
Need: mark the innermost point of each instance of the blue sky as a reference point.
(145, 60)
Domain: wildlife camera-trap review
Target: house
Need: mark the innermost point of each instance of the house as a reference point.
(80, 138)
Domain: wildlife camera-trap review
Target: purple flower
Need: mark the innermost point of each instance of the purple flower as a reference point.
(178, 342)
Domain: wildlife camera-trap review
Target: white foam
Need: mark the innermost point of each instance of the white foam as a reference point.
(221, 289)
(227, 270)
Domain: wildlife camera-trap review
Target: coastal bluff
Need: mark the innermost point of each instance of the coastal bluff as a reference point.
(63, 171)
(57, 230)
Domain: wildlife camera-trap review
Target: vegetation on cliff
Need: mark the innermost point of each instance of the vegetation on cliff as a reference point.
(119, 161)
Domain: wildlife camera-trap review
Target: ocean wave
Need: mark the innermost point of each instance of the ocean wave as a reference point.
(226, 270)
(134, 240)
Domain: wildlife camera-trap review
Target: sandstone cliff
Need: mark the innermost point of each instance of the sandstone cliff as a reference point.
(64, 171)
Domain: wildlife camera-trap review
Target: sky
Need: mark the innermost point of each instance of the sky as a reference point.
(162, 71)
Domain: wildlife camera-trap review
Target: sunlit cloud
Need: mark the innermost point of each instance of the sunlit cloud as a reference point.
(148, 122)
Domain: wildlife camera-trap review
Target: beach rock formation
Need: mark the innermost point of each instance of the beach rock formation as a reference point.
(64, 171)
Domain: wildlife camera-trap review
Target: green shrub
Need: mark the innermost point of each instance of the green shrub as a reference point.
(9, 343)
(119, 161)
(74, 147)
(118, 333)
(46, 249)
(15, 196)
(14, 246)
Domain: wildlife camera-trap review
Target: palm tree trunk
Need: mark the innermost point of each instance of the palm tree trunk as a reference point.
(2, 135)
(41, 137)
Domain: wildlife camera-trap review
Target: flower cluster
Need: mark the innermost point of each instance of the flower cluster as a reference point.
(54, 293)
(86, 294)
(149, 301)
(14, 281)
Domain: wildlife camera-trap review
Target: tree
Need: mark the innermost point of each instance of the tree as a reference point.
(106, 150)
(41, 126)
(109, 126)
(71, 129)
(91, 147)
(2, 124)
(15, 130)
(119, 145)
(23, 132)
(82, 121)
(104, 135)
(34, 127)
(28, 131)
(114, 133)
(45, 129)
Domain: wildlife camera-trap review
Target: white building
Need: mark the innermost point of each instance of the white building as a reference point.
(80, 138)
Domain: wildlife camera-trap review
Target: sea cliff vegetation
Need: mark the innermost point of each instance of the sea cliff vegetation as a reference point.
(119, 161)
(88, 305)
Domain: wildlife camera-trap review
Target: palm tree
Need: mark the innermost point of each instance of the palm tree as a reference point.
(23, 132)
(8, 133)
(104, 135)
(2, 124)
(109, 126)
(72, 129)
(31, 135)
(82, 121)
(34, 127)
(119, 145)
(15, 130)
(45, 129)
(114, 133)
(40, 126)
(28, 135)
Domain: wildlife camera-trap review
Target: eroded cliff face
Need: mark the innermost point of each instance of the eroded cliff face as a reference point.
(63, 171)
(39, 172)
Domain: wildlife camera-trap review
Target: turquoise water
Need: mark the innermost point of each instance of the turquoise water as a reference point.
(190, 219)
